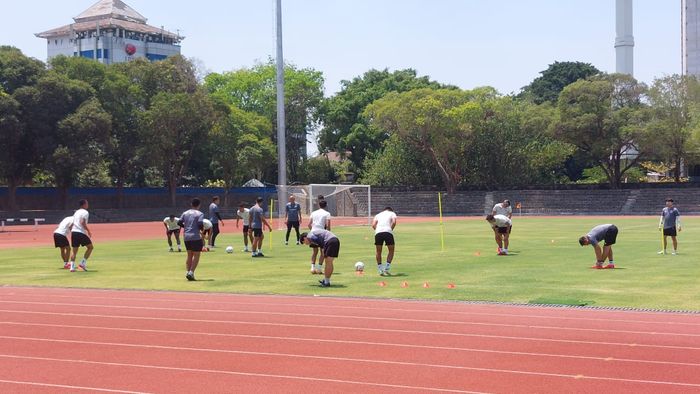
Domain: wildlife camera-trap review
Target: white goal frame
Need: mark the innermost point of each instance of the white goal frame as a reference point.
(341, 198)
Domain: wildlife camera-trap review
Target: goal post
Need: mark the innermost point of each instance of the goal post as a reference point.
(351, 204)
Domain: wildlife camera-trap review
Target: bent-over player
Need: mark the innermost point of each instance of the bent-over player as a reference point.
(603, 232)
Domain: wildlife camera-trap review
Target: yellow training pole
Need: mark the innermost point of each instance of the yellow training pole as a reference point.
(442, 229)
(272, 208)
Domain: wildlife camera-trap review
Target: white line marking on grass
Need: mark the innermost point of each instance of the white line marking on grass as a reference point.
(63, 386)
(343, 359)
(369, 329)
(317, 315)
(348, 342)
(383, 309)
(236, 373)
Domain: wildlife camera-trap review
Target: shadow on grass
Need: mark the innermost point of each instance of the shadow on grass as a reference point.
(560, 301)
(333, 286)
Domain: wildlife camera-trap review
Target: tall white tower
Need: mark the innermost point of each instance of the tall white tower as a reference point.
(624, 42)
(690, 34)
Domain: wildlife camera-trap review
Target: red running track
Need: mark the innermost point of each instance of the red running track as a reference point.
(68, 340)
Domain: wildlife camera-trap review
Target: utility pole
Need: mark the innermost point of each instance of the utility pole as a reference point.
(624, 42)
(281, 132)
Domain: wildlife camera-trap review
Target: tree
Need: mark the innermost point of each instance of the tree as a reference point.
(605, 117)
(344, 128)
(172, 127)
(80, 143)
(430, 121)
(254, 90)
(18, 70)
(675, 105)
(397, 164)
(548, 86)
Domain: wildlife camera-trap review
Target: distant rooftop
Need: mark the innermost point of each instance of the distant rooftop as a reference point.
(116, 9)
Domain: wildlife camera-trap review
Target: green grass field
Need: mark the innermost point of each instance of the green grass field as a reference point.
(546, 266)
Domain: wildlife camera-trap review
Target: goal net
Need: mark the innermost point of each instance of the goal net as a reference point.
(351, 204)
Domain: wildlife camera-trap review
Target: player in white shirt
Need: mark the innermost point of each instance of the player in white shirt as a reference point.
(172, 228)
(81, 236)
(504, 208)
(243, 213)
(60, 239)
(383, 225)
(501, 225)
(319, 219)
(206, 234)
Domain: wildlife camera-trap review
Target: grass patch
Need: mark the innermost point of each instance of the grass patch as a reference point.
(546, 266)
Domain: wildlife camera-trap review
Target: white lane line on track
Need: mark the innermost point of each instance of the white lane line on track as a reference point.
(63, 386)
(236, 373)
(348, 342)
(317, 315)
(316, 326)
(382, 309)
(369, 361)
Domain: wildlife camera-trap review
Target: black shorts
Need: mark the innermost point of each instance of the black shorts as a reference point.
(194, 246)
(60, 240)
(384, 238)
(291, 224)
(176, 232)
(611, 236)
(332, 248)
(246, 229)
(670, 231)
(502, 230)
(79, 239)
(257, 232)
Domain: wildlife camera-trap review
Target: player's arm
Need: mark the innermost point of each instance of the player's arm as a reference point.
(678, 223)
(286, 214)
(166, 226)
(393, 223)
(661, 221)
(374, 224)
(85, 226)
(218, 215)
(266, 223)
(328, 225)
(311, 220)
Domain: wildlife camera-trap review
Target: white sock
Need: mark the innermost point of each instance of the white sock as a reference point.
(313, 266)
(388, 265)
(319, 268)
(380, 267)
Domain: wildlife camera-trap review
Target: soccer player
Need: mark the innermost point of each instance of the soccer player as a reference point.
(503, 208)
(81, 236)
(172, 229)
(60, 239)
(501, 226)
(206, 233)
(603, 232)
(670, 222)
(319, 219)
(215, 218)
(244, 214)
(192, 221)
(292, 218)
(330, 244)
(257, 220)
(383, 225)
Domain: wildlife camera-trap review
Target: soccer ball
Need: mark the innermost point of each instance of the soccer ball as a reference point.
(229, 249)
(359, 266)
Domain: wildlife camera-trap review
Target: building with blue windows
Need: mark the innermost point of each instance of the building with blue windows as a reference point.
(111, 32)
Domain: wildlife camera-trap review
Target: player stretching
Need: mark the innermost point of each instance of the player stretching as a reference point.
(292, 218)
(172, 229)
(383, 225)
(257, 220)
(319, 219)
(670, 222)
(501, 227)
(330, 244)
(60, 239)
(606, 232)
(504, 208)
(81, 236)
(244, 213)
(192, 221)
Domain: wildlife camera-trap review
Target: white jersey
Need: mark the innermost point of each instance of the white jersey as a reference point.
(245, 215)
(319, 219)
(502, 221)
(172, 224)
(207, 224)
(64, 227)
(501, 210)
(384, 220)
(78, 217)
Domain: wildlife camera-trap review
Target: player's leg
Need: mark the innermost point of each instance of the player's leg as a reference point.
(506, 241)
(665, 241)
(195, 261)
(296, 230)
(176, 233)
(331, 251)
(314, 254)
(328, 272)
(169, 235)
(65, 255)
(214, 232)
(250, 237)
(378, 257)
(674, 240)
(188, 263)
(289, 230)
(73, 255)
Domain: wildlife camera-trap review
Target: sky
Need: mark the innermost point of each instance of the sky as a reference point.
(467, 43)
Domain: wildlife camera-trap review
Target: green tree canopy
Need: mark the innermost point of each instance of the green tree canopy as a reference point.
(548, 86)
